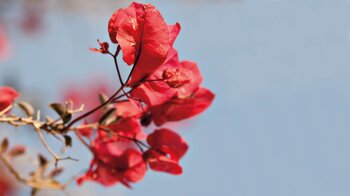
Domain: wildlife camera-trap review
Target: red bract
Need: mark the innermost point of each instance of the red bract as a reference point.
(159, 161)
(3, 44)
(167, 148)
(86, 131)
(7, 97)
(5, 187)
(178, 109)
(128, 109)
(109, 168)
(143, 36)
(172, 79)
(128, 127)
(128, 124)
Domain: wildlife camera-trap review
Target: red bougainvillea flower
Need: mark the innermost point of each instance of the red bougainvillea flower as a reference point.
(4, 45)
(86, 131)
(128, 123)
(6, 188)
(32, 20)
(128, 127)
(112, 165)
(144, 37)
(167, 148)
(178, 109)
(172, 79)
(7, 97)
(128, 109)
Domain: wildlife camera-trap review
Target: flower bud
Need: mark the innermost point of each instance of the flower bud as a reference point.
(175, 78)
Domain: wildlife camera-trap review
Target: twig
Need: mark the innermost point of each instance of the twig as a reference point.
(49, 149)
(12, 170)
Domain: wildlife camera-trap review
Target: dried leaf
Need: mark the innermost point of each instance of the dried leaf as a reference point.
(62, 112)
(27, 108)
(68, 140)
(59, 109)
(55, 172)
(108, 117)
(103, 98)
(42, 160)
(4, 145)
(66, 118)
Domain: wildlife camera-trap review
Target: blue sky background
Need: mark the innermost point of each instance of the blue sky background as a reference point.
(280, 71)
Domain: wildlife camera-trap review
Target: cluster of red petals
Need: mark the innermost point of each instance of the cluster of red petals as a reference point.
(144, 37)
(172, 79)
(177, 109)
(128, 124)
(112, 165)
(167, 148)
(7, 97)
(6, 187)
(162, 89)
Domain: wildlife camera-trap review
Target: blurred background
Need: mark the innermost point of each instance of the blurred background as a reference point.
(279, 68)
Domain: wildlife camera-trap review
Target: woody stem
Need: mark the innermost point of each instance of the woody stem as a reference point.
(112, 97)
(93, 110)
(117, 68)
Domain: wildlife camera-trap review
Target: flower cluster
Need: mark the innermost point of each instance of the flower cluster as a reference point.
(161, 89)
(124, 131)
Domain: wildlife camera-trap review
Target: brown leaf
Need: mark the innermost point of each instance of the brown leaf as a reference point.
(4, 145)
(27, 108)
(108, 117)
(68, 140)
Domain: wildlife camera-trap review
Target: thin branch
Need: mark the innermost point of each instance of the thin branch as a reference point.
(12, 170)
(93, 110)
(49, 149)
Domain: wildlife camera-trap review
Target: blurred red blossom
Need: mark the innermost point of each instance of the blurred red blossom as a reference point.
(7, 97)
(6, 186)
(4, 45)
